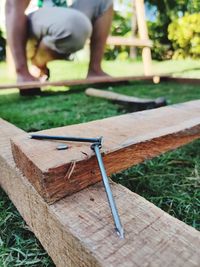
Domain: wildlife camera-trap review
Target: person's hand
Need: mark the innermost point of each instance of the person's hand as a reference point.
(41, 73)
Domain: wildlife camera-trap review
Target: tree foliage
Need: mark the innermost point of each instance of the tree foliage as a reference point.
(166, 12)
(185, 36)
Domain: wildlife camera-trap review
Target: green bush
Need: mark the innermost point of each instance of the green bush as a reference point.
(2, 47)
(121, 26)
(185, 36)
(162, 49)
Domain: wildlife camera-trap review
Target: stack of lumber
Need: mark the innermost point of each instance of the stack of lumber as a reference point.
(77, 230)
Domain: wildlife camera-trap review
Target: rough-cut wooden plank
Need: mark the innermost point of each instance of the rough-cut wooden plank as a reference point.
(97, 80)
(128, 41)
(59, 241)
(128, 140)
(193, 81)
(100, 80)
(78, 230)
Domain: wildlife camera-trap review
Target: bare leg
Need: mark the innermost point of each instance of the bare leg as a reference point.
(100, 33)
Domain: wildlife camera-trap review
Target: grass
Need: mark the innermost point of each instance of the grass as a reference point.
(18, 246)
(171, 181)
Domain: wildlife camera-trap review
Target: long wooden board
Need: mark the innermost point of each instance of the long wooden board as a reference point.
(100, 80)
(97, 80)
(128, 140)
(192, 81)
(78, 230)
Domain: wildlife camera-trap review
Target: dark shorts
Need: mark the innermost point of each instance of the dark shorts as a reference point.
(64, 30)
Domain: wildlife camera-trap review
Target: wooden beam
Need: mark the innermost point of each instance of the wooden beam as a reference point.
(78, 230)
(97, 80)
(100, 80)
(128, 41)
(143, 33)
(128, 140)
(192, 81)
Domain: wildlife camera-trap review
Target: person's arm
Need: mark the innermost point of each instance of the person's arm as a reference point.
(16, 25)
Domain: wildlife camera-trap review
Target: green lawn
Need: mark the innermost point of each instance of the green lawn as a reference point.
(171, 181)
(78, 69)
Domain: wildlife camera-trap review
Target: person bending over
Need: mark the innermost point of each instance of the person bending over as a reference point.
(54, 31)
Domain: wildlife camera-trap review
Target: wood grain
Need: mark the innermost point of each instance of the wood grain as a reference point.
(128, 140)
(78, 230)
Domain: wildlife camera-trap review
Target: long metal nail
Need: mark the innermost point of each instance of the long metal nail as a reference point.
(96, 145)
(66, 138)
(118, 225)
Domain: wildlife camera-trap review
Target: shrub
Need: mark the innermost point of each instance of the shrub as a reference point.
(121, 26)
(185, 36)
(162, 49)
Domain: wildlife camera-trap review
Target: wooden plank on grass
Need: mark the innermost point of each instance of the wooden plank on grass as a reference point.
(95, 80)
(192, 81)
(78, 230)
(128, 140)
